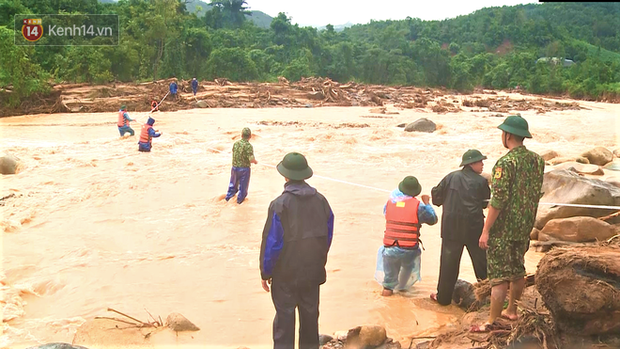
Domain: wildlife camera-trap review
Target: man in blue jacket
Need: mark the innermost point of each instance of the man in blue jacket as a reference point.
(147, 134)
(296, 239)
(173, 89)
(194, 86)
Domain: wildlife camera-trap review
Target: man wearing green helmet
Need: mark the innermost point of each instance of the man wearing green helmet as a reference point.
(463, 195)
(517, 181)
(123, 122)
(243, 157)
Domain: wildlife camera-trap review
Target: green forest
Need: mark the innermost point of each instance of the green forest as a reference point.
(496, 48)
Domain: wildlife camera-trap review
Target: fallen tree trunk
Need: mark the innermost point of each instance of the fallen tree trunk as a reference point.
(581, 288)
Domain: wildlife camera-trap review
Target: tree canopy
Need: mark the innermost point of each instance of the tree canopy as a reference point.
(495, 47)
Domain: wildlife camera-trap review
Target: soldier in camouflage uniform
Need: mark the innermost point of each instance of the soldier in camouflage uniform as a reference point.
(516, 190)
(243, 156)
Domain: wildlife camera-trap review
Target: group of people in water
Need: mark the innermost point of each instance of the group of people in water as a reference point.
(300, 224)
(148, 132)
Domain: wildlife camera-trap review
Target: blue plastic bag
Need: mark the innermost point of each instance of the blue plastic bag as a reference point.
(406, 276)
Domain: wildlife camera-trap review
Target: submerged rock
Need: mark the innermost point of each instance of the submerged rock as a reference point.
(57, 346)
(9, 164)
(178, 322)
(421, 125)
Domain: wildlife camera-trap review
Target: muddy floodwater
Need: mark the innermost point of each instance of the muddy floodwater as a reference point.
(94, 224)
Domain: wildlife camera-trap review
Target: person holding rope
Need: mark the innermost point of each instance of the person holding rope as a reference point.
(243, 157)
(154, 105)
(516, 190)
(147, 134)
(123, 122)
(400, 254)
(464, 195)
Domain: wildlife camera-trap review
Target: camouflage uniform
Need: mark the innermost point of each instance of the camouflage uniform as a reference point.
(243, 152)
(517, 181)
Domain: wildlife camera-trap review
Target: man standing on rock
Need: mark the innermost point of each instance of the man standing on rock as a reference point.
(517, 181)
(296, 239)
(243, 156)
(123, 122)
(464, 195)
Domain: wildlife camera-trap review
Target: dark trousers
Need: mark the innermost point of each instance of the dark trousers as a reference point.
(239, 181)
(451, 251)
(286, 298)
(146, 147)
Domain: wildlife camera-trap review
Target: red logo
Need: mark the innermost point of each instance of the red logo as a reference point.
(32, 30)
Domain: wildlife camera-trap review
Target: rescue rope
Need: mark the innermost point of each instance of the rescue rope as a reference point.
(553, 204)
(153, 108)
(389, 191)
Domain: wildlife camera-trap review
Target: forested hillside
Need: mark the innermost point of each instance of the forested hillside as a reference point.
(491, 48)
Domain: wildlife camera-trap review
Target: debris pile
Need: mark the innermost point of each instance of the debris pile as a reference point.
(308, 92)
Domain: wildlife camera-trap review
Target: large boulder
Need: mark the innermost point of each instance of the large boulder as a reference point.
(362, 337)
(568, 187)
(421, 125)
(549, 154)
(534, 234)
(599, 156)
(9, 164)
(581, 288)
(577, 229)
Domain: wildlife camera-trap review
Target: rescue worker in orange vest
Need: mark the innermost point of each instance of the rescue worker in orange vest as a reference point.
(147, 134)
(123, 122)
(400, 253)
(154, 105)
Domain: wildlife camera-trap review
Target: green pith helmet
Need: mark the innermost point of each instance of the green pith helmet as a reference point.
(123, 107)
(246, 133)
(516, 125)
(471, 156)
(294, 166)
(410, 186)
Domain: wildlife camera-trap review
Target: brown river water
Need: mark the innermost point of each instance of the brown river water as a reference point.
(96, 224)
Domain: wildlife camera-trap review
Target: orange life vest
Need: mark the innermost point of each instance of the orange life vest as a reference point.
(121, 119)
(144, 134)
(402, 228)
(154, 105)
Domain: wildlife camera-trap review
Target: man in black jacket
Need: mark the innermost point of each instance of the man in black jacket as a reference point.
(293, 254)
(464, 195)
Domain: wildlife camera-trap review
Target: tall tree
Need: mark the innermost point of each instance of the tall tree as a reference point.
(233, 11)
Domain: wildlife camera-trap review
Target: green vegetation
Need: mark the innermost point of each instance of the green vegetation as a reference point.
(490, 48)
